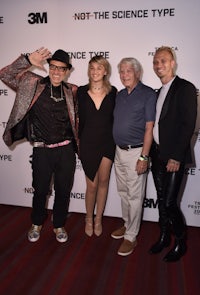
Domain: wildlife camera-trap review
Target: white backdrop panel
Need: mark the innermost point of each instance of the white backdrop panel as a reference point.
(84, 28)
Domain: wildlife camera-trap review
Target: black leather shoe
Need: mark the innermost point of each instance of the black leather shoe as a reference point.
(163, 242)
(176, 252)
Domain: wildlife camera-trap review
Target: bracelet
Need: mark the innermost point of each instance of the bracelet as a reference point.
(144, 158)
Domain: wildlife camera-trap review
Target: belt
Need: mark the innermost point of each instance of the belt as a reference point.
(129, 147)
(53, 145)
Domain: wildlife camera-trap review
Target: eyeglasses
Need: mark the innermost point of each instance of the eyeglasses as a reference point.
(60, 69)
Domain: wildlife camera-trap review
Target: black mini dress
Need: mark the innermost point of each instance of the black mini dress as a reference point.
(95, 130)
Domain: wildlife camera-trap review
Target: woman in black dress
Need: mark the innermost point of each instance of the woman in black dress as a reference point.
(96, 102)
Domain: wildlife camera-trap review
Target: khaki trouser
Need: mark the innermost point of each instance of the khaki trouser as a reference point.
(131, 188)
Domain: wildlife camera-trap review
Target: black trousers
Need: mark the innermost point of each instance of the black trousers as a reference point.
(59, 163)
(167, 186)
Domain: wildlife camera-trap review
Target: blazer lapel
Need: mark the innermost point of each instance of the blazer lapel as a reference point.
(168, 98)
(39, 88)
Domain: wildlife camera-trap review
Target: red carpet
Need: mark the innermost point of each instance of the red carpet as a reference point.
(89, 266)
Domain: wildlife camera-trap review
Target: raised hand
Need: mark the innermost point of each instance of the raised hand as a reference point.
(38, 57)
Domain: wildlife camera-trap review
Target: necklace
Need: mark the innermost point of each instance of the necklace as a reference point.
(57, 99)
(97, 88)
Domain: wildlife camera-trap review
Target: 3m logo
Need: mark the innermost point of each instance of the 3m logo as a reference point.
(150, 203)
(37, 18)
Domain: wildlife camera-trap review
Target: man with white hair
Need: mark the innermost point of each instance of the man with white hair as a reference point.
(134, 116)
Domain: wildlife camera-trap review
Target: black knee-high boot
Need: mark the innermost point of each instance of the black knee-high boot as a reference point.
(177, 251)
(163, 241)
(179, 229)
(165, 231)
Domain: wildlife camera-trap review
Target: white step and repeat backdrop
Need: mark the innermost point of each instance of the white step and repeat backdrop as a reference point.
(115, 29)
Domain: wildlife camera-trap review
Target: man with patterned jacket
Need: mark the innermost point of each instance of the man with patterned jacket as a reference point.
(45, 112)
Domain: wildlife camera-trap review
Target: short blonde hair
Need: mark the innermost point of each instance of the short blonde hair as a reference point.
(170, 51)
